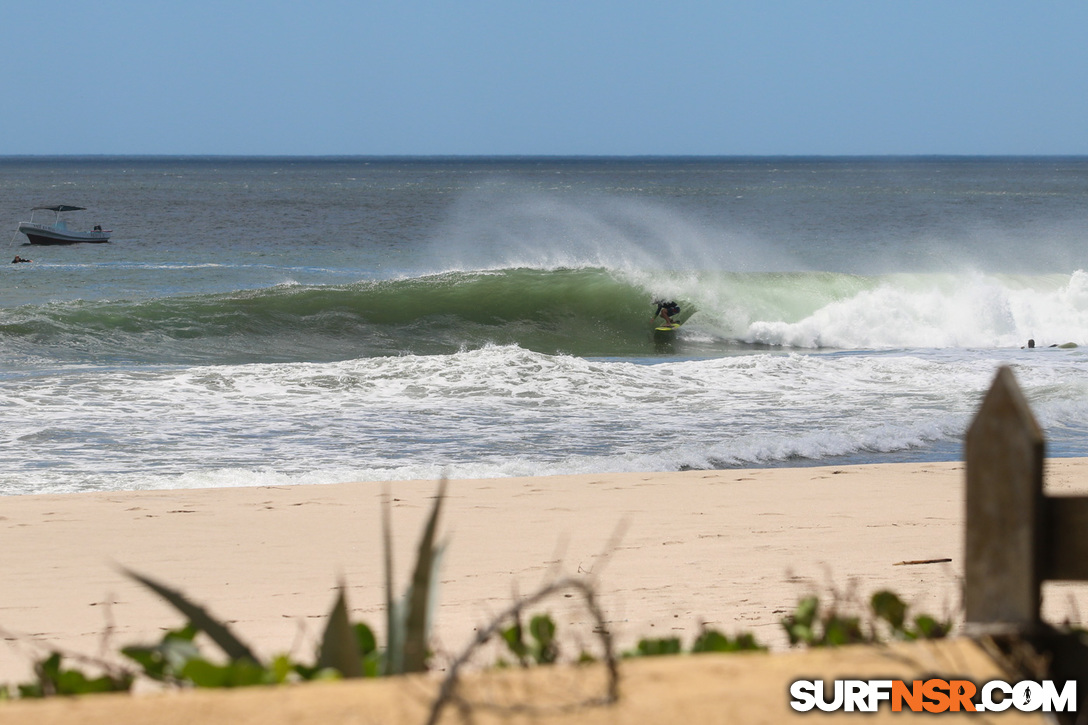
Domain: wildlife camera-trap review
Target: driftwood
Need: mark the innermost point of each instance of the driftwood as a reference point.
(921, 561)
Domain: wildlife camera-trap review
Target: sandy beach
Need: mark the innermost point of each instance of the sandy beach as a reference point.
(735, 549)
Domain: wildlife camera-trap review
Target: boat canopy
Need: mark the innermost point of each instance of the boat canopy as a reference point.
(60, 208)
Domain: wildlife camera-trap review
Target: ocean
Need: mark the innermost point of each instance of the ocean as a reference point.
(292, 321)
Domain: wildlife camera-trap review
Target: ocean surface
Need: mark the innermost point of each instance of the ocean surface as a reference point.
(305, 320)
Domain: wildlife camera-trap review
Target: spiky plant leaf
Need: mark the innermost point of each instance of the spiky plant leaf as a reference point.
(394, 623)
(339, 646)
(416, 629)
(199, 618)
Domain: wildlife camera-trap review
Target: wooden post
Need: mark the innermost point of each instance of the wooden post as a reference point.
(1067, 539)
(1004, 450)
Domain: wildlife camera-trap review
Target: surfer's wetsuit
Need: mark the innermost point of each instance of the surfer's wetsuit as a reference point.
(666, 310)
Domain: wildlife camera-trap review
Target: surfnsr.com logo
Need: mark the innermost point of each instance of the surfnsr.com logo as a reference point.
(933, 695)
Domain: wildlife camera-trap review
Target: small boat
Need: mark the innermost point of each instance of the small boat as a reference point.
(58, 232)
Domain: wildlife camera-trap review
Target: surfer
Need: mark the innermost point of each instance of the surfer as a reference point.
(19, 260)
(666, 309)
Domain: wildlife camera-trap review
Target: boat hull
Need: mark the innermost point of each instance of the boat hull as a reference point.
(41, 234)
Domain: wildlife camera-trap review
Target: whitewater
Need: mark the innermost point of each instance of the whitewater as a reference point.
(302, 321)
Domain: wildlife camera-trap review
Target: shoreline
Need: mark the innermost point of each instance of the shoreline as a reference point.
(735, 549)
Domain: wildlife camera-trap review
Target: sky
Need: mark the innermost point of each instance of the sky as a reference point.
(544, 77)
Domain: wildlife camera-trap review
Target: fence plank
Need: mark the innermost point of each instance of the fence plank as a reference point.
(1004, 450)
(1066, 554)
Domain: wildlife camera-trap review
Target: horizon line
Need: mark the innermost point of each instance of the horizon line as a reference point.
(398, 157)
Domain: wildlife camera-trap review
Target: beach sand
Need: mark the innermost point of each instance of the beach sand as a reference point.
(735, 549)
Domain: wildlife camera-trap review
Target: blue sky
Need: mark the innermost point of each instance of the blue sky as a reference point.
(824, 77)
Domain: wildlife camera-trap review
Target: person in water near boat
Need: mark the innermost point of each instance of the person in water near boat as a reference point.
(666, 309)
(18, 259)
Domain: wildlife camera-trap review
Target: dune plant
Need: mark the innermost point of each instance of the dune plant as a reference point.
(810, 627)
(708, 640)
(52, 678)
(711, 640)
(541, 648)
(346, 650)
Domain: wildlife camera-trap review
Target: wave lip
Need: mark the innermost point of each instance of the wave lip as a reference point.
(941, 311)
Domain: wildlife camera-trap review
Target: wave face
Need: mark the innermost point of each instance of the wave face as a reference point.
(588, 312)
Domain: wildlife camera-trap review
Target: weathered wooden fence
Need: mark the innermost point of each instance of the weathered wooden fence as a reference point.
(1017, 537)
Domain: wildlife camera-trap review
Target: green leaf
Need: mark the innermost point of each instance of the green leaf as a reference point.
(394, 629)
(515, 641)
(244, 673)
(149, 660)
(74, 682)
(890, 608)
(313, 672)
(237, 673)
(339, 646)
(281, 669)
(711, 641)
(49, 668)
(803, 634)
(746, 642)
(199, 618)
(53, 679)
(417, 624)
(799, 625)
(542, 628)
(807, 609)
(166, 660)
(365, 639)
(927, 627)
(656, 647)
(31, 690)
(205, 674)
(372, 664)
(842, 630)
